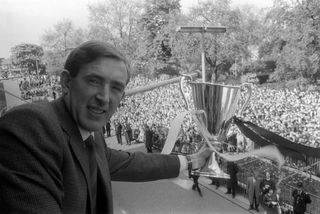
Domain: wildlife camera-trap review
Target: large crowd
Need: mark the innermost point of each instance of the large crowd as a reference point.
(154, 109)
(39, 87)
(293, 114)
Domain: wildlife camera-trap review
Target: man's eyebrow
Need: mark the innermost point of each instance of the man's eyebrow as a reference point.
(121, 84)
(94, 75)
(117, 82)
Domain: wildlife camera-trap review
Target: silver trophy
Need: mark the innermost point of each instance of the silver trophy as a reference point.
(214, 106)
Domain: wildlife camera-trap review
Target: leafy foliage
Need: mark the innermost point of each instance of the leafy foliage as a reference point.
(221, 50)
(284, 38)
(294, 39)
(59, 41)
(158, 24)
(28, 57)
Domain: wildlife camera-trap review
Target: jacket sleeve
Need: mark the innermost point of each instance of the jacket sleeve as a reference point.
(139, 166)
(30, 181)
(307, 199)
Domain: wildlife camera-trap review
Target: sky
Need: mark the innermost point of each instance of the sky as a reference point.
(24, 21)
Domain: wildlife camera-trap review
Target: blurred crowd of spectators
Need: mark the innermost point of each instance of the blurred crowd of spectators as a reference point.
(155, 110)
(293, 114)
(39, 87)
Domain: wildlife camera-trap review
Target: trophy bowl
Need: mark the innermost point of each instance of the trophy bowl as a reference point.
(214, 106)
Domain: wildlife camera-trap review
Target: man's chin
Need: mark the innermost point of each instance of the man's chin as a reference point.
(92, 126)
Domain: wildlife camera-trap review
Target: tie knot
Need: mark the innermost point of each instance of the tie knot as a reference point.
(89, 141)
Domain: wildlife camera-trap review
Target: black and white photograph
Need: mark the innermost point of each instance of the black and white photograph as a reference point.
(159, 106)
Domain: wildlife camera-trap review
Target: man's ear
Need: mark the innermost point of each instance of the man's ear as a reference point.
(65, 80)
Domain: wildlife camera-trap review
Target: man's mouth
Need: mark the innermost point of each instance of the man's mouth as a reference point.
(96, 110)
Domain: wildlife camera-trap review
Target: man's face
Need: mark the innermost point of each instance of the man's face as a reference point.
(94, 94)
(267, 175)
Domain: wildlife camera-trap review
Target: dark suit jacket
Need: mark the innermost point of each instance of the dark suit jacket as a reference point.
(232, 170)
(300, 201)
(43, 167)
(253, 188)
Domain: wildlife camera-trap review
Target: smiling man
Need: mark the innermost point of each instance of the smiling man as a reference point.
(53, 157)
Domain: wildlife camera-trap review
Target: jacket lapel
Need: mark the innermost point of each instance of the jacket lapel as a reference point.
(74, 137)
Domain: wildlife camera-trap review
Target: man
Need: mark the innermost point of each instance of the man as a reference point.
(119, 132)
(266, 184)
(300, 199)
(128, 133)
(53, 157)
(149, 135)
(270, 203)
(108, 129)
(232, 183)
(195, 185)
(253, 191)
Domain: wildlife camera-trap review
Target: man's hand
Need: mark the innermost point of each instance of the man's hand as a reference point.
(200, 159)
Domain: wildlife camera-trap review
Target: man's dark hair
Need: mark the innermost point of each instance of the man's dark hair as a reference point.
(90, 51)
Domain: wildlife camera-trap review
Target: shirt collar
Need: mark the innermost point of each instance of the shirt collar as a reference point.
(84, 133)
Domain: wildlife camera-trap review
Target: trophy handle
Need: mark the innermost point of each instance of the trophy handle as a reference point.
(185, 78)
(249, 87)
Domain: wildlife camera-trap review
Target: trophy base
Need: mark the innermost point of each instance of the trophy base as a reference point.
(210, 174)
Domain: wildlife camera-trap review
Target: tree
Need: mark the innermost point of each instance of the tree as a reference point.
(221, 50)
(28, 57)
(58, 42)
(158, 24)
(293, 32)
(63, 36)
(116, 21)
(117, 17)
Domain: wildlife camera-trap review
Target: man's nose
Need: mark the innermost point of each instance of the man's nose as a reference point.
(104, 94)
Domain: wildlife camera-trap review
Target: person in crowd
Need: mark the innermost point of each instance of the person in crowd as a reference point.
(155, 134)
(253, 190)
(53, 157)
(108, 129)
(54, 94)
(300, 199)
(185, 148)
(142, 136)
(128, 133)
(136, 135)
(282, 208)
(119, 132)
(266, 184)
(177, 144)
(270, 202)
(159, 143)
(232, 183)
(195, 185)
(149, 135)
